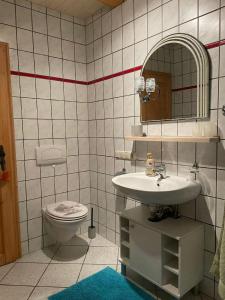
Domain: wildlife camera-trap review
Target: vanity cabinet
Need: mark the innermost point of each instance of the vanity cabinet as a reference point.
(168, 253)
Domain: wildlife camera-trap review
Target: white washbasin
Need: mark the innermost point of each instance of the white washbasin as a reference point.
(171, 190)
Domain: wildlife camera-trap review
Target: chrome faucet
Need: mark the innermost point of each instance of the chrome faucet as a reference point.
(161, 171)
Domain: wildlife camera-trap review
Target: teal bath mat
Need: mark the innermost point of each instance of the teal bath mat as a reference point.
(104, 285)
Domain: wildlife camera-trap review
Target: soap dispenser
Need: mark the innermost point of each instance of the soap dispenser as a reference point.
(150, 165)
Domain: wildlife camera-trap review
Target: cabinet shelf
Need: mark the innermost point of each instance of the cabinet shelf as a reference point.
(172, 266)
(125, 243)
(124, 229)
(183, 139)
(171, 288)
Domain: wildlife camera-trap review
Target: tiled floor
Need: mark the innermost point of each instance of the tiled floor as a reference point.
(45, 272)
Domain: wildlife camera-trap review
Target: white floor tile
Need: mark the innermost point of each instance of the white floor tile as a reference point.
(40, 256)
(88, 270)
(60, 275)
(44, 292)
(102, 255)
(14, 292)
(81, 240)
(101, 241)
(5, 269)
(70, 254)
(24, 274)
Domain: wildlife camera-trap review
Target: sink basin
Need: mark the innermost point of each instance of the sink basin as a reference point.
(171, 190)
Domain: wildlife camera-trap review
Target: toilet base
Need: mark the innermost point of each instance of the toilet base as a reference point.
(59, 231)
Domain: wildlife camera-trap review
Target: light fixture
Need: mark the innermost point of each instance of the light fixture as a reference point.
(139, 84)
(149, 86)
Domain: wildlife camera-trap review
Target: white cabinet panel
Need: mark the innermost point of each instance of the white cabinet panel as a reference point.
(145, 252)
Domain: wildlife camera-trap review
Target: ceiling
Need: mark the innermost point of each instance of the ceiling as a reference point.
(77, 8)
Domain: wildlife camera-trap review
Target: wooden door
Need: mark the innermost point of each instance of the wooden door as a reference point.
(9, 221)
(160, 105)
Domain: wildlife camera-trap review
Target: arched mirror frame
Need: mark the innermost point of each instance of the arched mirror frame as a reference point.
(202, 63)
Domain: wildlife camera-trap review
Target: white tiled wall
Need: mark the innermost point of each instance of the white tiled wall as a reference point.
(118, 40)
(93, 120)
(46, 42)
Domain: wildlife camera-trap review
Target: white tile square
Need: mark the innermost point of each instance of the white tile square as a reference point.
(44, 292)
(59, 129)
(60, 275)
(155, 22)
(15, 292)
(33, 189)
(23, 17)
(7, 13)
(107, 42)
(67, 30)
(47, 186)
(44, 109)
(127, 11)
(39, 22)
(140, 28)
(8, 35)
(206, 6)
(79, 34)
(68, 50)
(209, 28)
(30, 129)
(41, 64)
(128, 34)
(32, 170)
(40, 44)
(152, 4)
(102, 255)
(24, 274)
(29, 108)
(34, 228)
(140, 8)
(188, 10)
(43, 88)
(70, 254)
(25, 41)
(116, 17)
(170, 9)
(60, 184)
(5, 269)
(54, 46)
(53, 26)
(106, 23)
(205, 209)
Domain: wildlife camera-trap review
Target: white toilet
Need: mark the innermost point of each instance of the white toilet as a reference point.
(63, 219)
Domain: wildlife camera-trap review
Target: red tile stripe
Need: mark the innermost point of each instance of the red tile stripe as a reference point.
(115, 75)
(131, 70)
(185, 88)
(24, 74)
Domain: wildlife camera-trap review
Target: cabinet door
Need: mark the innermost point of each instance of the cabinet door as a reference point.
(145, 252)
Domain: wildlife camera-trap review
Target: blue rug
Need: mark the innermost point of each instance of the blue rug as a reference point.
(106, 284)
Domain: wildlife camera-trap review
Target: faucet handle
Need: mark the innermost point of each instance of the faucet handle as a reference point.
(195, 168)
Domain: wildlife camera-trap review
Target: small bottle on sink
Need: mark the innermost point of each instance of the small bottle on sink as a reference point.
(150, 165)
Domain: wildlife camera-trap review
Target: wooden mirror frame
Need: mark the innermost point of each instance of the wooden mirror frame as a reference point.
(202, 63)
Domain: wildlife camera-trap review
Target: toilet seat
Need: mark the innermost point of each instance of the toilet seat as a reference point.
(66, 211)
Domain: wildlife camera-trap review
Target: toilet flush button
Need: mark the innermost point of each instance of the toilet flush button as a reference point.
(50, 154)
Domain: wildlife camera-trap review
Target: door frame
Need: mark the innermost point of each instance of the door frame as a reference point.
(10, 248)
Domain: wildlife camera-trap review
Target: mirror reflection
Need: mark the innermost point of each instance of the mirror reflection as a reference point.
(169, 87)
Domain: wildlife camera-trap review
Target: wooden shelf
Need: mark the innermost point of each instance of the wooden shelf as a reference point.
(183, 139)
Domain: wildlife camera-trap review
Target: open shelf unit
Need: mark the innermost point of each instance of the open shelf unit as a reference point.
(170, 264)
(168, 253)
(183, 139)
(124, 240)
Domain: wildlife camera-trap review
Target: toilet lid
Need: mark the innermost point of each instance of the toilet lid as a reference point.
(67, 210)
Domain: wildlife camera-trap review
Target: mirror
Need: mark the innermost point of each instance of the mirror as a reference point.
(174, 82)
